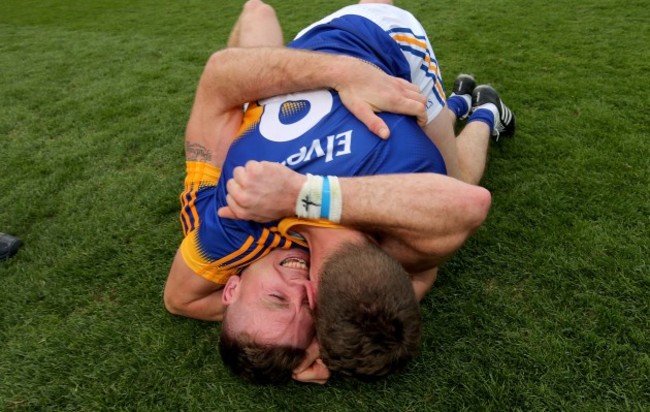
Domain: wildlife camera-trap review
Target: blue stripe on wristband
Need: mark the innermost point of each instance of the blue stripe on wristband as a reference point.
(325, 199)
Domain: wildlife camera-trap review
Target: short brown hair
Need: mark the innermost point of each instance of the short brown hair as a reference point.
(368, 319)
(258, 363)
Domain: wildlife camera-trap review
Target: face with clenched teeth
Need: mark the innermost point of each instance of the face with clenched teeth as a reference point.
(273, 298)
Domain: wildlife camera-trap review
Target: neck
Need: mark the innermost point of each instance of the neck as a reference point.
(323, 242)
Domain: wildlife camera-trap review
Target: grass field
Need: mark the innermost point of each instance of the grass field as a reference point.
(546, 308)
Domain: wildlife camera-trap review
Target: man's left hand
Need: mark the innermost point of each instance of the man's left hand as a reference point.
(262, 192)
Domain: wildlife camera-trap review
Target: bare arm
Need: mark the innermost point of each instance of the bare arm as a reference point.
(235, 76)
(420, 219)
(187, 294)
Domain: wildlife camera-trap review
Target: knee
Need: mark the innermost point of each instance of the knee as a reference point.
(475, 211)
(259, 9)
(376, 1)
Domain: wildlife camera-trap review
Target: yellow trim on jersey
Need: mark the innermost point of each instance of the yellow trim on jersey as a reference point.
(209, 271)
(287, 223)
(198, 175)
(251, 118)
(251, 255)
(202, 173)
(249, 241)
(411, 40)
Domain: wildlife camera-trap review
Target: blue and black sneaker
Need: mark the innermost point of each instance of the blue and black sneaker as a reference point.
(463, 88)
(464, 84)
(505, 124)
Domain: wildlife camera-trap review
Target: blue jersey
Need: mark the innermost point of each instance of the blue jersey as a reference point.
(359, 37)
(310, 132)
(379, 33)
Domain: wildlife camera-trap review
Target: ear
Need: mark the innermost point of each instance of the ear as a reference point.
(231, 290)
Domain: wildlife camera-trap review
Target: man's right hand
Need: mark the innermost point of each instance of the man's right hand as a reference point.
(365, 89)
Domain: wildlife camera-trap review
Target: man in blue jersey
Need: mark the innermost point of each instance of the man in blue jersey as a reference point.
(417, 240)
(466, 154)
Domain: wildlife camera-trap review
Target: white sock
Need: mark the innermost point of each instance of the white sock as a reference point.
(492, 108)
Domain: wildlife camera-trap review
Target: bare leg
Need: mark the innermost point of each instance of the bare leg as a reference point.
(466, 155)
(472, 147)
(257, 26)
(451, 114)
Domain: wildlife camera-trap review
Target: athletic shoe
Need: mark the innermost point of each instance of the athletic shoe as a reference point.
(504, 125)
(8, 246)
(460, 100)
(464, 84)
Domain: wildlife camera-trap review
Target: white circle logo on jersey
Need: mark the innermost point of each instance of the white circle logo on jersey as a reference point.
(290, 116)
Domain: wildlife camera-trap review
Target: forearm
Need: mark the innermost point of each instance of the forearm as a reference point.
(188, 294)
(207, 308)
(408, 201)
(235, 76)
(421, 218)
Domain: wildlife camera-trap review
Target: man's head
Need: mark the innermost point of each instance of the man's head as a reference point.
(268, 321)
(367, 319)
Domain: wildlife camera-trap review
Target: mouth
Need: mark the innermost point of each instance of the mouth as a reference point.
(295, 263)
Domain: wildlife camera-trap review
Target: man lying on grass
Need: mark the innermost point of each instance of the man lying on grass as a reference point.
(267, 324)
(232, 256)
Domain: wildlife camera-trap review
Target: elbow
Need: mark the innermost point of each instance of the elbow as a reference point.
(464, 219)
(172, 303)
(220, 66)
(217, 60)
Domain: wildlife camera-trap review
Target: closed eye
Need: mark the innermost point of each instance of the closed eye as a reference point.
(278, 298)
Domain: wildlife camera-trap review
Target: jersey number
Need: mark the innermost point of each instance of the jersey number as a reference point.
(317, 103)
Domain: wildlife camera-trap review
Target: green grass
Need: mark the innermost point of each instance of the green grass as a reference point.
(546, 308)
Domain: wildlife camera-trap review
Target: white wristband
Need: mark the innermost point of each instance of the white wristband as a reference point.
(320, 198)
(336, 200)
(308, 204)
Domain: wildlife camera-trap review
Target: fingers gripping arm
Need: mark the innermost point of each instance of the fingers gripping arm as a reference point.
(235, 76)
